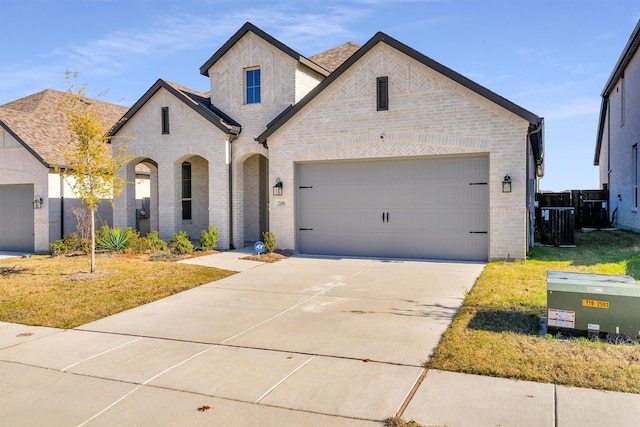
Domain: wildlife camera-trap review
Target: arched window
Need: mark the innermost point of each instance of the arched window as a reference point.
(186, 191)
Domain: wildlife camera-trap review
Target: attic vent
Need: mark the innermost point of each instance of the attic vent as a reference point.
(165, 120)
(382, 91)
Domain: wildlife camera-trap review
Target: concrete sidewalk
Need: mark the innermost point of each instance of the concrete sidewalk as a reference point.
(305, 341)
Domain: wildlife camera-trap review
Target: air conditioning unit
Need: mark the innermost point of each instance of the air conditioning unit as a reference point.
(593, 303)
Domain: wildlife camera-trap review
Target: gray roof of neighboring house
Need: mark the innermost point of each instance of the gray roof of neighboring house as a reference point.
(200, 102)
(37, 123)
(249, 27)
(618, 71)
(535, 121)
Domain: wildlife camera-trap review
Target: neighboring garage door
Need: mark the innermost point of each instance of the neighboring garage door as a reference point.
(16, 218)
(419, 208)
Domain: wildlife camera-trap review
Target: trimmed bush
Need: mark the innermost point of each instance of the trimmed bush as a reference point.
(209, 238)
(180, 243)
(270, 243)
(149, 244)
(68, 244)
(157, 244)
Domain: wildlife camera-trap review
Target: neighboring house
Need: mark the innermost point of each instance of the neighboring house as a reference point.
(619, 136)
(32, 134)
(366, 151)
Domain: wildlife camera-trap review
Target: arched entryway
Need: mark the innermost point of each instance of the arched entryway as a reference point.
(146, 196)
(255, 197)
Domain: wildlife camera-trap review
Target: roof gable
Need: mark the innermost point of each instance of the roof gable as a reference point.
(380, 37)
(40, 126)
(197, 101)
(248, 27)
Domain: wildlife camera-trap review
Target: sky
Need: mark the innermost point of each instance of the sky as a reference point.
(551, 57)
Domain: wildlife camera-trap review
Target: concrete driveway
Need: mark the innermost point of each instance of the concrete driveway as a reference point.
(305, 341)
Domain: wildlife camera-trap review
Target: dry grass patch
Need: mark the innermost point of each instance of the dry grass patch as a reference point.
(495, 332)
(60, 292)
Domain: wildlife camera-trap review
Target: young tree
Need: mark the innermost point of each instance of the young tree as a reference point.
(91, 169)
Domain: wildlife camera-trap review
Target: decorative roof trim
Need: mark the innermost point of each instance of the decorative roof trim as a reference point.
(249, 27)
(447, 72)
(212, 114)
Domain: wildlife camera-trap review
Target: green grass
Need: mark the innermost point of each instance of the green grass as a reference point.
(58, 292)
(495, 332)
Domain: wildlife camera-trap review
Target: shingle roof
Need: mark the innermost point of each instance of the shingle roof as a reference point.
(333, 58)
(200, 102)
(37, 123)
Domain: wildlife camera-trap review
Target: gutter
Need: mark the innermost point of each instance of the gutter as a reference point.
(540, 148)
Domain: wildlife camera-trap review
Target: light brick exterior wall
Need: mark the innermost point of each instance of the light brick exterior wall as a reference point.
(18, 166)
(623, 129)
(429, 115)
(283, 81)
(191, 138)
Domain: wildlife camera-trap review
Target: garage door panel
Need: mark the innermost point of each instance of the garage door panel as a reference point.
(16, 218)
(422, 208)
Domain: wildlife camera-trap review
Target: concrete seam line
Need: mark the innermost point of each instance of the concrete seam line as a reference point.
(290, 308)
(145, 383)
(284, 379)
(412, 393)
(100, 354)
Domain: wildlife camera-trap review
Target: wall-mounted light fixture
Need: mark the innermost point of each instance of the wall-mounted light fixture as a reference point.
(277, 189)
(506, 184)
(37, 202)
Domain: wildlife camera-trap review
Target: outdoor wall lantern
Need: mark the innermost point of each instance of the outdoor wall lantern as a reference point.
(506, 184)
(277, 189)
(37, 202)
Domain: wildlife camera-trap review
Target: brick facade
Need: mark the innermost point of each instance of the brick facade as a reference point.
(429, 115)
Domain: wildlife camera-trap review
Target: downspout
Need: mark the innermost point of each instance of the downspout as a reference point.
(538, 172)
(608, 115)
(61, 206)
(229, 161)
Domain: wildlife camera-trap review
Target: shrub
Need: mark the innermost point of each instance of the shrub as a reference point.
(68, 244)
(270, 243)
(180, 243)
(209, 238)
(148, 244)
(157, 244)
(114, 239)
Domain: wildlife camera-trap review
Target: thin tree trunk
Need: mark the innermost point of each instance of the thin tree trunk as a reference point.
(93, 240)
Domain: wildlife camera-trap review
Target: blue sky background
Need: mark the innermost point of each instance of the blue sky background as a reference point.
(552, 57)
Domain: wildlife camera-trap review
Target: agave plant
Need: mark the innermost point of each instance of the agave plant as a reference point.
(114, 239)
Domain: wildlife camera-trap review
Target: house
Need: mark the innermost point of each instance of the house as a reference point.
(373, 150)
(616, 151)
(36, 205)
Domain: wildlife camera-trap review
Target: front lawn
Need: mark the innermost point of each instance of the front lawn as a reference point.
(58, 292)
(495, 333)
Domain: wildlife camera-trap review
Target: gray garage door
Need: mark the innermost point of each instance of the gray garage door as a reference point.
(16, 218)
(418, 208)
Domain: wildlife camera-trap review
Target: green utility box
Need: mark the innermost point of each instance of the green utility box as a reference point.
(593, 303)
